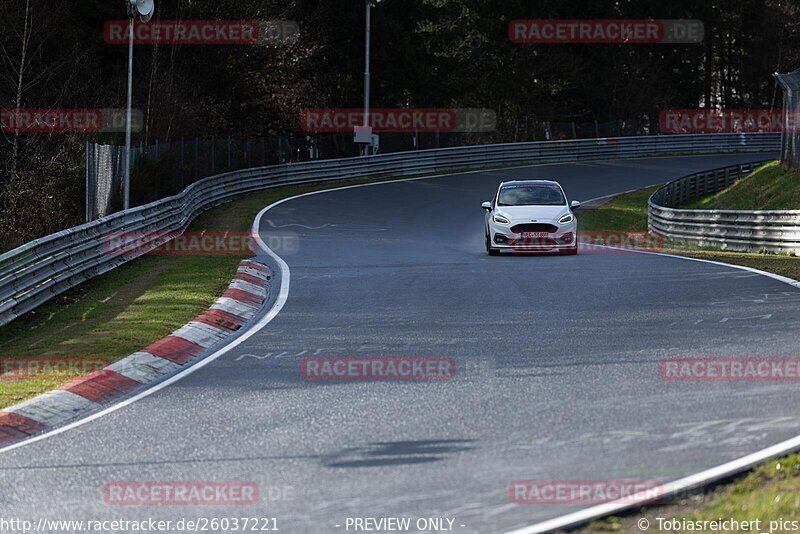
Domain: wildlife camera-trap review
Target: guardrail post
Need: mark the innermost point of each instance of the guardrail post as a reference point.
(697, 183)
(741, 230)
(88, 185)
(32, 274)
(182, 170)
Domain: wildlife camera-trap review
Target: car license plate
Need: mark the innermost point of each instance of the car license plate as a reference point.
(534, 235)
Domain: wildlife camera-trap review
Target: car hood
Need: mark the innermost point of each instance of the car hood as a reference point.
(530, 213)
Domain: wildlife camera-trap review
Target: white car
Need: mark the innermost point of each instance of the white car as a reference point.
(531, 216)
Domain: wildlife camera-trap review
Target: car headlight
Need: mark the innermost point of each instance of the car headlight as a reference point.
(500, 219)
(568, 218)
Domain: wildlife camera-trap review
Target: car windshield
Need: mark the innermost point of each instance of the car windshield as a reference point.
(531, 195)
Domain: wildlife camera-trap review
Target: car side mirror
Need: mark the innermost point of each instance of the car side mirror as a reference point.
(574, 205)
(487, 206)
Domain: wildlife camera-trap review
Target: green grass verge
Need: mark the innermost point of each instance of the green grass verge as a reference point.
(623, 213)
(120, 312)
(767, 188)
(771, 491)
(112, 316)
(628, 212)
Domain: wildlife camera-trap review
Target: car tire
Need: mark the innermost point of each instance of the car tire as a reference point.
(489, 250)
(570, 251)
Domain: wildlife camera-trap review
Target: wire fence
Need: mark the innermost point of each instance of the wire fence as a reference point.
(790, 141)
(584, 130)
(105, 166)
(164, 169)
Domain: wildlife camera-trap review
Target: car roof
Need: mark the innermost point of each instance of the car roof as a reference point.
(543, 182)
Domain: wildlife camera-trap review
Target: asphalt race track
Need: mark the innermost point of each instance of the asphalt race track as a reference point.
(558, 360)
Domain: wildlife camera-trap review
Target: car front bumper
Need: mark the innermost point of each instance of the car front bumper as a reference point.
(564, 238)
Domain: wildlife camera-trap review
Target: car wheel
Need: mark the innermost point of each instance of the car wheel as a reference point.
(570, 251)
(489, 250)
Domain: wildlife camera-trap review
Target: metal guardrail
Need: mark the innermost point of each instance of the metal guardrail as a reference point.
(735, 230)
(38, 271)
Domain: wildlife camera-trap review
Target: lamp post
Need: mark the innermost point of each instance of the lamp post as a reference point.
(144, 9)
(365, 137)
(367, 31)
(127, 179)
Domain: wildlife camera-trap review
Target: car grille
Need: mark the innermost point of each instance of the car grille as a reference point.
(534, 227)
(535, 242)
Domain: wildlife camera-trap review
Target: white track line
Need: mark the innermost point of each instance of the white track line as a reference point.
(560, 522)
(612, 195)
(283, 295)
(784, 279)
(692, 481)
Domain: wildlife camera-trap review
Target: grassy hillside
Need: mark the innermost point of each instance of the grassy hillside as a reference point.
(768, 188)
(626, 212)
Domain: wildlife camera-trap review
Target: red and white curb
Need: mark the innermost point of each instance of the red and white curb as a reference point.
(239, 303)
